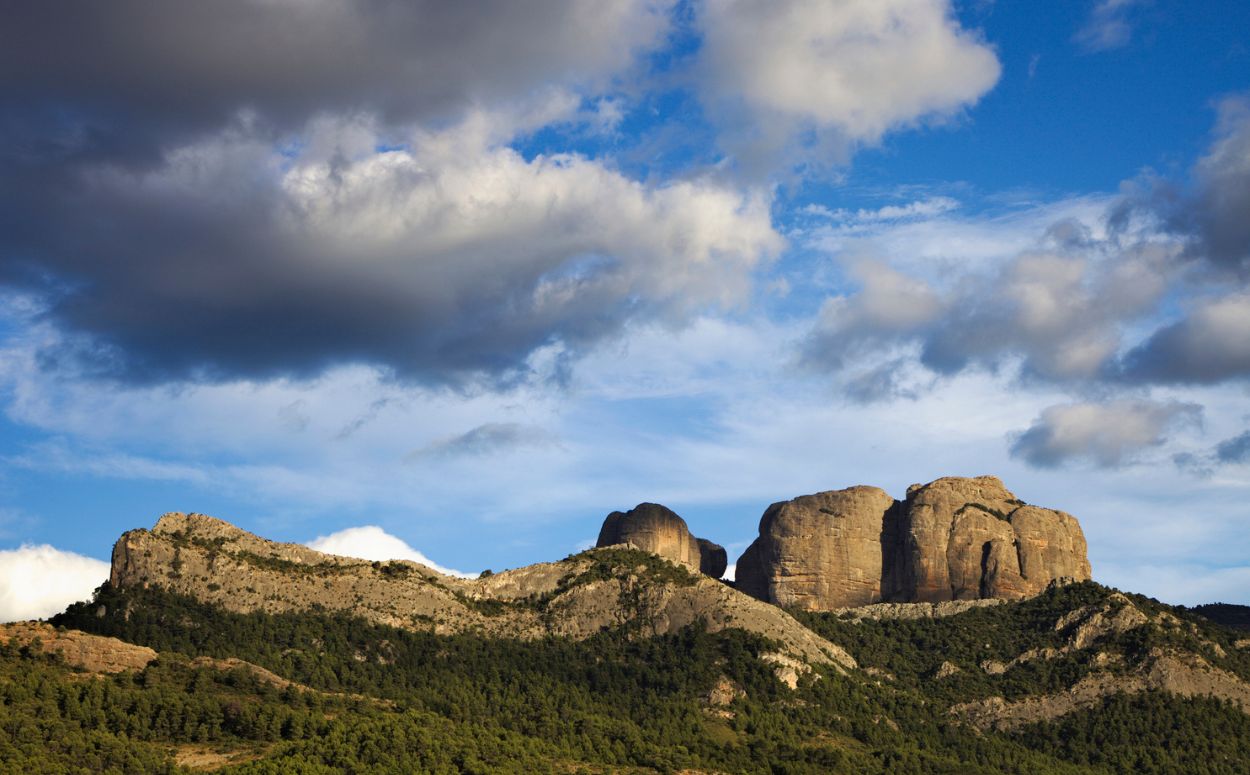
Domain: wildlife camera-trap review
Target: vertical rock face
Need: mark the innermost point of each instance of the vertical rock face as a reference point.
(657, 529)
(818, 547)
(953, 539)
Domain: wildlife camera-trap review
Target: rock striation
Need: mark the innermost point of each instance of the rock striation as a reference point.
(952, 539)
(659, 530)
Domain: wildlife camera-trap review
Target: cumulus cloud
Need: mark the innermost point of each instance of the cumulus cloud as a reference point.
(1107, 434)
(370, 542)
(1108, 26)
(888, 305)
(39, 581)
(275, 188)
(452, 258)
(848, 72)
(1211, 343)
(1058, 310)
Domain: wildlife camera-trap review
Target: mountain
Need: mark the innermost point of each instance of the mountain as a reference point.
(606, 588)
(211, 649)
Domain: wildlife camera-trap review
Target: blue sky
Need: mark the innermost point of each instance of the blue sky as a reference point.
(477, 277)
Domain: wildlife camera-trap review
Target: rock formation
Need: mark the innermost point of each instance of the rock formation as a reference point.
(657, 529)
(217, 563)
(713, 560)
(91, 653)
(952, 539)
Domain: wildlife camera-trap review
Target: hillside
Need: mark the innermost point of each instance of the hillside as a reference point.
(212, 649)
(608, 588)
(368, 697)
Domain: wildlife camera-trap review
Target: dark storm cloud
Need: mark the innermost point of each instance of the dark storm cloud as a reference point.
(131, 74)
(202, 191)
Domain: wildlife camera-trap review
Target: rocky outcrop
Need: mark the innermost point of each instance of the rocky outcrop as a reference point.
(659, 530)
(217, 563)
(91, 653)
(713, 560)
(952, 539)
(1175, 672)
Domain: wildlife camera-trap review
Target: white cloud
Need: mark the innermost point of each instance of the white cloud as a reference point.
(1108, 25)
(921, 208)
(371, 542)
(852, 70)
(731, 572)
(39, 581)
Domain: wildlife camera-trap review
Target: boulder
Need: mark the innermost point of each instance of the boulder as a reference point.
(713, 559)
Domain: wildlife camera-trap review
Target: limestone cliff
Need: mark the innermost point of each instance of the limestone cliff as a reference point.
(218, 563)
(952, 539)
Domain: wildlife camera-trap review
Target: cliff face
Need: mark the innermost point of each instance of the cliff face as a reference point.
(217, 563)
(659, 530)
(952, 539)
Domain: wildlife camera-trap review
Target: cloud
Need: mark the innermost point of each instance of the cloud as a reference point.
(846, 72)
(1231, 451)
(486, 439)
(1210, 344)
(1107, 435)
(127, 78)
(1234, 450)
(1209, 209)
(888, 306)
(275, 188)
(1057, 310)
(39, 581)
(451, 260)
(1108, 26)
(370, 542)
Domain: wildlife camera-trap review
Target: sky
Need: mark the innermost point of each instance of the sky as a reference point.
(452, 281)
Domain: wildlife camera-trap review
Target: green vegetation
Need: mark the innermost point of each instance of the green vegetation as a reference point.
(389, 700)
(996, 513)
(1227, 614)
(1151, 732)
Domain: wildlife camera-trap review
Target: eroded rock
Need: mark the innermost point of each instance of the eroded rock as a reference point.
(659, 530)
(953, 539)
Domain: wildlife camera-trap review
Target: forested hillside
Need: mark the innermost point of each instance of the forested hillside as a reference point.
(369, 698)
